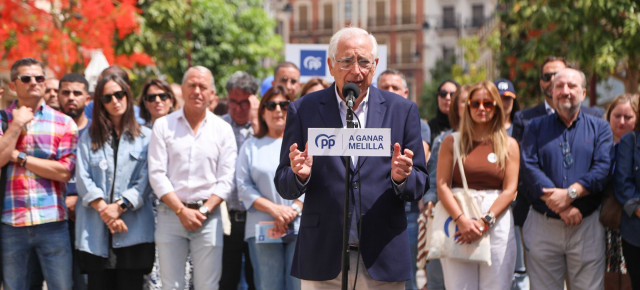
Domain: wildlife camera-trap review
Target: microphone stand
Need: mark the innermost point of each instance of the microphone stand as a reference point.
(347, 213)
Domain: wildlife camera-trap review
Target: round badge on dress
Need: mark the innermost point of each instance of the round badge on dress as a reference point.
(492, 157)
(103, 164)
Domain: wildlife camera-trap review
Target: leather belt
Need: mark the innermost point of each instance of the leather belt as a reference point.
(237, 215)
(354, 248)
(194, 205)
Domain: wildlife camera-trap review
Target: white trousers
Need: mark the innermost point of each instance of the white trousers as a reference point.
(553, 248)
(174, 243)
(464, 275)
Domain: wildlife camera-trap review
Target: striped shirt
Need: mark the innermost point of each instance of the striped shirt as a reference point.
(31, 199)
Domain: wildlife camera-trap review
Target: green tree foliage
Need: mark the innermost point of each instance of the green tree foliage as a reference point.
(473, 73)
(600, 36)
(224, 36)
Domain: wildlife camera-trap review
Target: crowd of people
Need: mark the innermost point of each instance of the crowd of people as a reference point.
(175, 188)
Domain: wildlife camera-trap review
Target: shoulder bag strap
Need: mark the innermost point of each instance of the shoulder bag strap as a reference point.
(456, 158)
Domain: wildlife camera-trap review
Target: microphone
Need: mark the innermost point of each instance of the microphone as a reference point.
(350, 91)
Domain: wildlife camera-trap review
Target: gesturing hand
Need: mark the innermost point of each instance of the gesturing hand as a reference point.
(300, 162)
(401, 164)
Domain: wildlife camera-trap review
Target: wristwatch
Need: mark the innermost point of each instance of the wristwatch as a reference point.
(573, 193)
(22, 159)
(204, 210)
(489, 219)
(120, 202)
(297, 208)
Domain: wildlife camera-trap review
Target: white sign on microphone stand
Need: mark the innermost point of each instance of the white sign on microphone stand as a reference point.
(349, 142)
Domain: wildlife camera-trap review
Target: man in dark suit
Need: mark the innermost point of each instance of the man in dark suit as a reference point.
(550, 67)
(380, 186)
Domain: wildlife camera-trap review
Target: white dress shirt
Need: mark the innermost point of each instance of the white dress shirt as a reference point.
(194, 166)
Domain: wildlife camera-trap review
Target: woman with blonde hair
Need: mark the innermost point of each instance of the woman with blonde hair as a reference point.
(491, 161)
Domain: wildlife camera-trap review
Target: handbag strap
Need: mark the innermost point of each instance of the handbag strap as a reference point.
(456, 158)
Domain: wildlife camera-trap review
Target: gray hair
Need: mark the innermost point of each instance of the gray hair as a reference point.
(243, 81)
(394, 72)
(203, 70)
(350, 31)
(27, 61)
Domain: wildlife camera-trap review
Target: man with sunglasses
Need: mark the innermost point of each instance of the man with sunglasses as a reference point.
(243, 118)
(379, 187)
(566, 164)
(39, 149)
(287, 75)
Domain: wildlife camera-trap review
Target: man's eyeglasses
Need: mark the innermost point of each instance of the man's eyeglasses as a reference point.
(444, 93)
(27, 79)
(547, 76)
(271, 106)
(567, 161)
(288, 80)
(243, 104)
(69, 92)
(107, 98)
(487, 105)
(152, 97)
(347, 64)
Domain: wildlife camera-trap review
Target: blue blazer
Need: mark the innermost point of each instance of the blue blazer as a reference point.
(627, 186)
(384, 242)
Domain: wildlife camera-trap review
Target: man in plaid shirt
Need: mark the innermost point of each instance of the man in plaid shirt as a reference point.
(38, 149)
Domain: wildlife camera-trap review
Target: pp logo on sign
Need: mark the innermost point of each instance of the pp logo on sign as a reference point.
(313, 62)
(324, 140)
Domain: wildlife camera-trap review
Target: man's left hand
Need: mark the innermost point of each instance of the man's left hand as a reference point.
(571, 216)
(401, 164)
(557, 199)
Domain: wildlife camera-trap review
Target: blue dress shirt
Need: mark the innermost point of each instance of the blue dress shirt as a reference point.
(555, 155)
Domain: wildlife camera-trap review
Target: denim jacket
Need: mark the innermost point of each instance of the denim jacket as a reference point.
(95, 178)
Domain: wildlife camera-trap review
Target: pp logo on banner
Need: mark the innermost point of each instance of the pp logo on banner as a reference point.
(313, 62)
(324, 141)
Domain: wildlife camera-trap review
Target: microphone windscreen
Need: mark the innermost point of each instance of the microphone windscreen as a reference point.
(351, 88)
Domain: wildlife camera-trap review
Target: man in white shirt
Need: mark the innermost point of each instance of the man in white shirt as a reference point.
(191, 166)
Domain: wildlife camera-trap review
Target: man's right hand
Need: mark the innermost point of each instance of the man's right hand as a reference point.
(301, 162)
(22, 116)
(191, 219)
(571, 216)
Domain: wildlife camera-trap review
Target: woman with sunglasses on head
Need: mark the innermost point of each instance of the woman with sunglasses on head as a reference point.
(440, 123)
(156, 101)
(114, 225)
(255, 171)
(491, 160)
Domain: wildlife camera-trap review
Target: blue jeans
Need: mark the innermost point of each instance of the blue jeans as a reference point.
(272, 265)
(412, 229)
(49, 241)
